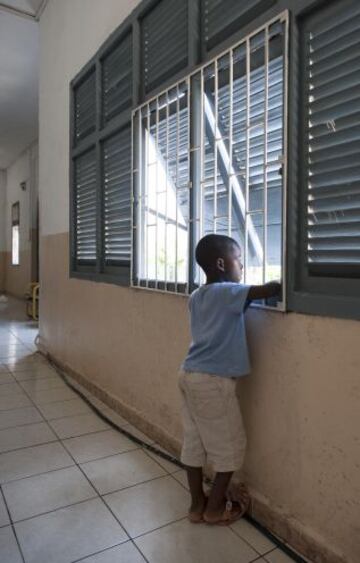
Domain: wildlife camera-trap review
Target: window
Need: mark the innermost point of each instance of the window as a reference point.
(330, 171)
(15, 234)
(209, 157)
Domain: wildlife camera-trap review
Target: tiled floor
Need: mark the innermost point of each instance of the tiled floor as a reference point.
(74, 489)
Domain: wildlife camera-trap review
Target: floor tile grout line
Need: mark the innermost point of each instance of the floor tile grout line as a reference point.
(99, 494)
(183, 518)
(248, 543)
(104, 551)
(12, 524)
(35, 475)
(28, 447)
(16, 522)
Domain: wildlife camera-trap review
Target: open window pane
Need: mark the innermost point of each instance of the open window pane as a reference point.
(162, 202)
(243, 145)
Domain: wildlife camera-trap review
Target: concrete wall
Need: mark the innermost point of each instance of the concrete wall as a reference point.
(301, 403)
(2, 228)
(24, 169)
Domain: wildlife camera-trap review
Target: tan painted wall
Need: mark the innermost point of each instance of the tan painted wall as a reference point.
(301, 403)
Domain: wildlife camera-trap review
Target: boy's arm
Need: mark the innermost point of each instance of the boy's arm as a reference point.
(265, 291)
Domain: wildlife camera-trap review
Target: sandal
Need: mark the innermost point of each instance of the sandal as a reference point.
(230, 515)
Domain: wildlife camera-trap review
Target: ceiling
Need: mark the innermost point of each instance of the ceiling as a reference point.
(19, 76)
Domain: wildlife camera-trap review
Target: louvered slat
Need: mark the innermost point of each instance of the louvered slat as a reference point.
(85, 207)
(117, 202)
(223, 17)
(333, 139)
(117, 79)
(85, 108)
(164, 41)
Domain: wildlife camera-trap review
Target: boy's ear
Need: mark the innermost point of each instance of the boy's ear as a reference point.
(220, 264)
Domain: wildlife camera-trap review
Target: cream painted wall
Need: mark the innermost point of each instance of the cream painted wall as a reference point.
(84, 25)
(301, 404)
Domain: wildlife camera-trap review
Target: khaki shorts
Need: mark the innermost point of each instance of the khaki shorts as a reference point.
(213, 426)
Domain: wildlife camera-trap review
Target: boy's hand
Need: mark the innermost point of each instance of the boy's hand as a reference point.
(271, 289)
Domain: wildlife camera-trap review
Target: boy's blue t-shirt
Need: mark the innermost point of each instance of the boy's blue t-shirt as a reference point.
(219, 343)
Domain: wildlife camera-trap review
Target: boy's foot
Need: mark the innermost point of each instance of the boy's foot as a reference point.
(196, 512)
(231, 513)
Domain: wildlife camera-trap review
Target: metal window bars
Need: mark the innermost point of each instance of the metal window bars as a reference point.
(240, 154)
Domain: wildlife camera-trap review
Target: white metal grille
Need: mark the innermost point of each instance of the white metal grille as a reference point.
(234, 111)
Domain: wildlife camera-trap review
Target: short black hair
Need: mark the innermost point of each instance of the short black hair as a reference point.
(210, 248)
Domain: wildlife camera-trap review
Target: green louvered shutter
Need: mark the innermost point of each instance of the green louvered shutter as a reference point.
(164, 41)
(85, 208)
(117, 79)
(85, 108)
(332, 141)
(222, 18)
(117, 198)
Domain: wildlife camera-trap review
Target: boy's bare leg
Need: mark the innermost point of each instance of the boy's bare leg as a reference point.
(217, 499)
(198, 498)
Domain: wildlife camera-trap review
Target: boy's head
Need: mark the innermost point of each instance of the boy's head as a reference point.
(220, 258)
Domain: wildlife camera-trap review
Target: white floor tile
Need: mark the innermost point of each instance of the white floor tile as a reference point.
(43, 493)
(120, 471)
(78, 425)
(69, 533)
(8, 389)
(4, 369)
(125, 553)
(254, 537)
(167, 465)
(6, 377)
(34, 374)
(32, 461)
(25, 436)
(61, 409)
(278, 556)
(150, 505)
(18, 417)
(4, 516)
(14, 402)
(194, 544)
(98, 445)
(181, 477)
(9, 550)
(31, 366)
(31, 387)
(52, 396)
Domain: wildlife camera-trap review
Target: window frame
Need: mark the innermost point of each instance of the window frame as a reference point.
(167, 287)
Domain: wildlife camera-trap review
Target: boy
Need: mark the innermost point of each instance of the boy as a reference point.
(218, 355)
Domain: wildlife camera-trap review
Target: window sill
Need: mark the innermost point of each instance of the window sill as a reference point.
(333, 306)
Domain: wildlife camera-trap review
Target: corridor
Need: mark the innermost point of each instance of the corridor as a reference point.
(74, 489)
